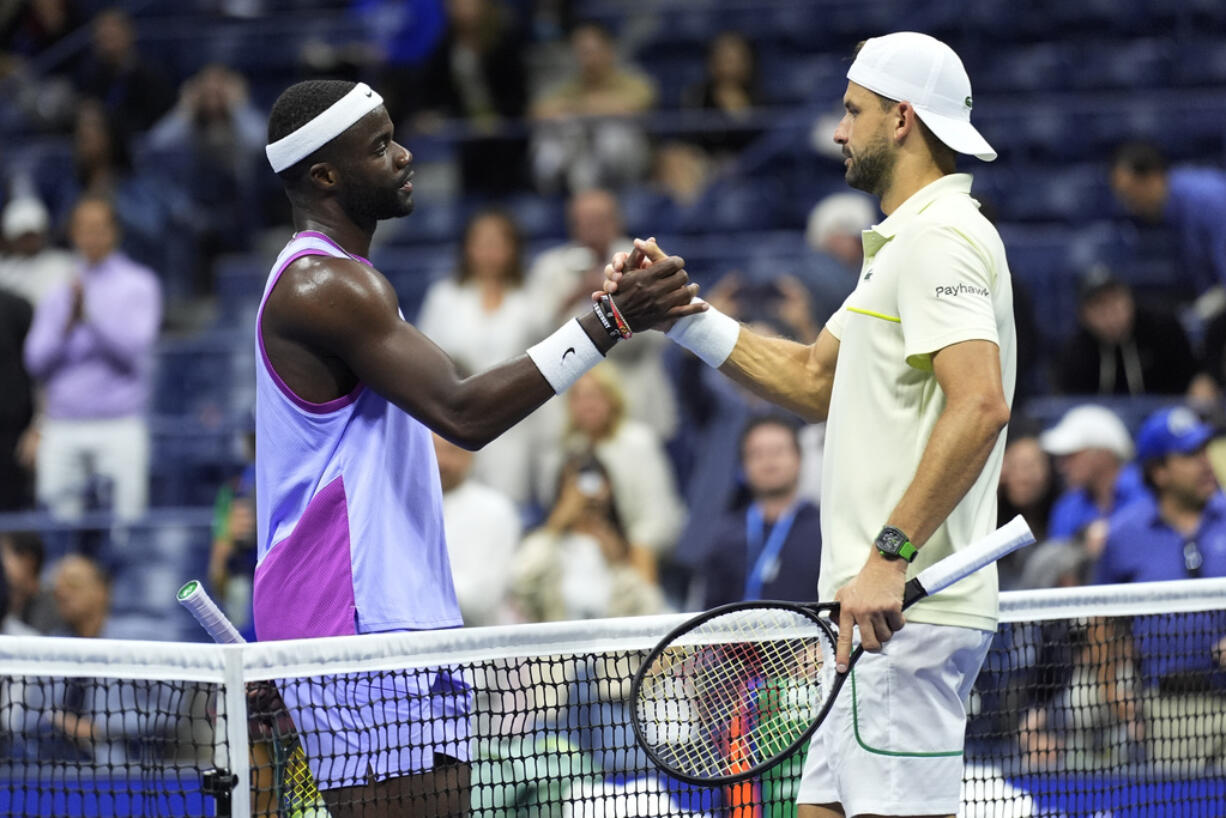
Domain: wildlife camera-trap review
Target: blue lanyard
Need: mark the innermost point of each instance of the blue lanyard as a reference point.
(766, 567)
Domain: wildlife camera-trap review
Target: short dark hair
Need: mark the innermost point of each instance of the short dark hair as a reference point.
(769, 419)
(1140, 157)
(298, 105)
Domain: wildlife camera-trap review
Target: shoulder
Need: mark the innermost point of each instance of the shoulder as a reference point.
(321, 278)
(133, 272)
(329, 297)
(1133, 520)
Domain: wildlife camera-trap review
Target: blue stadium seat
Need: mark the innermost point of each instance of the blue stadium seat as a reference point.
(1025, 68)
(537, 216)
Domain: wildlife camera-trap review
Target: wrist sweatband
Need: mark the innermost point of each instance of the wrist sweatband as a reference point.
(710, 335)
(564, 356)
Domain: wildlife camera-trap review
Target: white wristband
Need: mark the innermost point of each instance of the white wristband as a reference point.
(710, 335)
(564, 356)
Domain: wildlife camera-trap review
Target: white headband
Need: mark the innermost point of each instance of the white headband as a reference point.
(294, 147)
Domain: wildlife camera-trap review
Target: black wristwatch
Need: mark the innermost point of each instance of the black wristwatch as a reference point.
(895, 545)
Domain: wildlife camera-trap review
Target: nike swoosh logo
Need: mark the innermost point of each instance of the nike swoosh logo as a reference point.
(569, 351)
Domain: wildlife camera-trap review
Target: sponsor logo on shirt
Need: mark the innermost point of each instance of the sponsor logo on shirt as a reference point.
(959, 289)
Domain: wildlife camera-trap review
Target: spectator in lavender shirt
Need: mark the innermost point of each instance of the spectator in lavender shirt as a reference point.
(90, 349)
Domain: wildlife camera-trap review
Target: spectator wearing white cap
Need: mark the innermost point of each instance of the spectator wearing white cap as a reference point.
(31, 266)
(833, 233)
(1092, 448)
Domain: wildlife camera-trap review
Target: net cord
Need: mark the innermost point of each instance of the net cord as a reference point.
(57, 656)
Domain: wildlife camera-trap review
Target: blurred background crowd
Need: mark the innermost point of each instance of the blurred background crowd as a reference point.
(138, 220)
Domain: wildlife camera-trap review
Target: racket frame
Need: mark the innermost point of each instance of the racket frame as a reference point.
(810, 611)
(937, 577)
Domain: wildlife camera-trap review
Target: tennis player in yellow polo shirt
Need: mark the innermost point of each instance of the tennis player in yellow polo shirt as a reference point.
(914, 375)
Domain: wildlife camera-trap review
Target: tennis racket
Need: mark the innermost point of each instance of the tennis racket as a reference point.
(735, 690)
(297, 795)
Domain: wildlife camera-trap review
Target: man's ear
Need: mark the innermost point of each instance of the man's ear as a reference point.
(905, 121)
(323, 175)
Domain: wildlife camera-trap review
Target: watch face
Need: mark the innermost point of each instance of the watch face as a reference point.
(890, 540)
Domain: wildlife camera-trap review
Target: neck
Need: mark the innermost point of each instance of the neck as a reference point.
(90, 626)
(775, 505)
(910, 176)
(1102, 488)
(1179, 514)
(352, 237)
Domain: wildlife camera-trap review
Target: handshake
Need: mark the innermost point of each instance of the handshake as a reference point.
(652, 291)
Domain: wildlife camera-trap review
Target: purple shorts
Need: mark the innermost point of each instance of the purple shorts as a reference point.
(362, 727)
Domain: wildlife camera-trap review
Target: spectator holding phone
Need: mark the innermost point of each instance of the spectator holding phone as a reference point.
(577, 565)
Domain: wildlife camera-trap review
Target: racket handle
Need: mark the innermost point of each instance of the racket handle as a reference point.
(938, 576)
(193, 597)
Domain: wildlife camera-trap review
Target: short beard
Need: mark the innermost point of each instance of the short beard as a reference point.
(376, 205)
(872, 169)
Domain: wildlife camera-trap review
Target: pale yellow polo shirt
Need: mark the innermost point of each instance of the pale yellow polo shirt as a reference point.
(934, 274)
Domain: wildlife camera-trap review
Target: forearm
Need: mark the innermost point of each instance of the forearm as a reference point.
(961, 442)
(485, 405)
(45, 344)
(782, 372)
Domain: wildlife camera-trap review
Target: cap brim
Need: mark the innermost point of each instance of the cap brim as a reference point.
(1194, 440)
(959, 135)
(1058, 442)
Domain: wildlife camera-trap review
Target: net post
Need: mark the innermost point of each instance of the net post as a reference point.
(234, 701)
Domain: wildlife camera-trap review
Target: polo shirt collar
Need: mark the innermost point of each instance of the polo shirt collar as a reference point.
(879, 235)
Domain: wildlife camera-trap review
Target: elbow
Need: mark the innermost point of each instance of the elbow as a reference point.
(467, 432)
(995, 413)
(466, 438)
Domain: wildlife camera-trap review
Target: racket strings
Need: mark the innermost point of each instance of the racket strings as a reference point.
(734, 691)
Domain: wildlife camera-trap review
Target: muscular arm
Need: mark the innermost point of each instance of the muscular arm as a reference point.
(975, 412)
(794, 376)
(328, 316)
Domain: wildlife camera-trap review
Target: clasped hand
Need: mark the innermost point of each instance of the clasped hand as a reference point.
(656, 293)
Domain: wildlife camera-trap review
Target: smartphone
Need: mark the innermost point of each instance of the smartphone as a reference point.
(590, 483)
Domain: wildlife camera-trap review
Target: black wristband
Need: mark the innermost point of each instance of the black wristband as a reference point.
(606, 320)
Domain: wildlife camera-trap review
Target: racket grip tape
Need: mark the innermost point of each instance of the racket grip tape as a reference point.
(193, 597)
(964, 562)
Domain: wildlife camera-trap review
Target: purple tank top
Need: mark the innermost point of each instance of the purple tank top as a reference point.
(348, 504)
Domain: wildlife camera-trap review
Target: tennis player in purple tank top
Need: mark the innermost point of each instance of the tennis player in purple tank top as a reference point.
(349, 507)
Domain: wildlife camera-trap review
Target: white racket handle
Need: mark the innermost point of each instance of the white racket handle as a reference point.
(193, 597)
(1009, 537)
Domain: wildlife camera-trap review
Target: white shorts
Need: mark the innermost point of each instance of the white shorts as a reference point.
(892, 742)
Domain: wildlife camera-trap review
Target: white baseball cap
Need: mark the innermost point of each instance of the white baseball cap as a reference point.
(1088, 427)
(910, 67)
(24, 214)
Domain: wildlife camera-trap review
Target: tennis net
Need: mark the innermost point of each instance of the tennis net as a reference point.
(1096, 701)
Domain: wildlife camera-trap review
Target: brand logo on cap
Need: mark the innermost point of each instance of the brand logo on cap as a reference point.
(967, 101)
(1181, 421)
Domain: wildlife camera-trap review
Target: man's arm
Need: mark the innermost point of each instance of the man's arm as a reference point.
(795, 376)
(335, 309)
(975, 412)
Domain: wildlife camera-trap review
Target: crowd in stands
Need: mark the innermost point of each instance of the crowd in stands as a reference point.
(138, 225)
